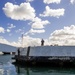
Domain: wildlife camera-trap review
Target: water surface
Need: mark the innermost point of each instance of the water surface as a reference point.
(7, 68)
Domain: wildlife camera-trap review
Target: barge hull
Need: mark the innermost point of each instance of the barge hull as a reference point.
(43, 61)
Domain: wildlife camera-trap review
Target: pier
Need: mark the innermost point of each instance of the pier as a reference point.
(47, 56)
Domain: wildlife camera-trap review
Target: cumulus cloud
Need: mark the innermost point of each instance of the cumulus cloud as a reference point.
(11, 26)
(20, 31)
(8, 30)
(16, 44)
(24, 11)
(53, 12)
(29, 0)
(72, 1)
(29, 41)
(2, 30)
(64, 36)
(52, 1)
(33, 31)
(4, 41)
(39, 24)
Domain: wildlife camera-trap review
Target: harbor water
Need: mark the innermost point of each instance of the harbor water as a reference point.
(7, 68)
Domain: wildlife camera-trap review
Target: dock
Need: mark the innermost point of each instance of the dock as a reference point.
(46, 56)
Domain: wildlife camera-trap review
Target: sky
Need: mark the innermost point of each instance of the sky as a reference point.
(51, 20)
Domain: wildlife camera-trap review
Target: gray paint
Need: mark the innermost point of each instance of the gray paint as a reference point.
(7, 48)
(52, 51)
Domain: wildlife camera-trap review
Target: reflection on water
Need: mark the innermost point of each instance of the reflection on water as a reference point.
(7, 68)
(5, 58)
(44, 71)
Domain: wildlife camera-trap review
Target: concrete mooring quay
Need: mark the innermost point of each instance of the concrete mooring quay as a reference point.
(54, 56)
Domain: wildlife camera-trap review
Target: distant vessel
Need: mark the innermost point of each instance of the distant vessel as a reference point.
(7, 49)
(6, 53)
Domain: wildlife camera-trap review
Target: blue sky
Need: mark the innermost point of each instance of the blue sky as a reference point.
(37, 19)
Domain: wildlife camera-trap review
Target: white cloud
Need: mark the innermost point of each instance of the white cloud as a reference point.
(24, 11)
(33, 31)
(72, 1)
(11, 26)
(29, 41)
(53, 12)
(2, 30)
(29, 0)
(64, 36)
(20, 31)
(16, 44)
(4, 41)
(52, 1)
(8, 30)
(39, 24)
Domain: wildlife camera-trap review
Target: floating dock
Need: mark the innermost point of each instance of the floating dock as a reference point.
(46, 56)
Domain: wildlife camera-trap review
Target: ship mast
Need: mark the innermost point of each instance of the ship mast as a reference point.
(22, 40)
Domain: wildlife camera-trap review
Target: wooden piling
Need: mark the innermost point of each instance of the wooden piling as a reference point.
(28, 50)
(18, 52)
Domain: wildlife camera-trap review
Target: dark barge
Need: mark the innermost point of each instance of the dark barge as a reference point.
(46, 56)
